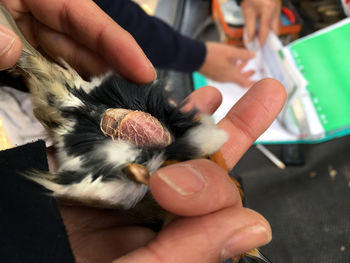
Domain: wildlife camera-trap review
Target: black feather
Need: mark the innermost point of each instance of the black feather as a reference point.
(115, 92)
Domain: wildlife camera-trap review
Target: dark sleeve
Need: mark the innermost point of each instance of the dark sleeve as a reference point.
(31, 229)
(165, 47)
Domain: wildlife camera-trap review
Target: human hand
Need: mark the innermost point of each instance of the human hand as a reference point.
(212, 225)
(269, 13)
(77, 31)
(225, 63)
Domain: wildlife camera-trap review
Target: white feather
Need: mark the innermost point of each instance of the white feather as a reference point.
(155, 163)
(119, 192)
(69, 163)
(118, 153)
(207, 136)
(87, 86)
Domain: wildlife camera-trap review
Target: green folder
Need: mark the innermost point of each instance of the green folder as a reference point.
(323, 60)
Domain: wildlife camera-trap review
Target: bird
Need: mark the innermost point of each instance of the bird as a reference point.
(111, 134)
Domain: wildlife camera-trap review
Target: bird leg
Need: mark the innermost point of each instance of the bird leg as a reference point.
(218, 158)
(138, 173)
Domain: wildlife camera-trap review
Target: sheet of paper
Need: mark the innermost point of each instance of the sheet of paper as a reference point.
(18, 121)
(232, 92)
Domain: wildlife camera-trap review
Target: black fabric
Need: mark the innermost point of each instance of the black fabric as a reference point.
(31, 229)
(166, 48)
(307, 206)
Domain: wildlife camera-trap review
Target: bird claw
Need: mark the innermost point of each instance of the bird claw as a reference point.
(138, 173)
(254, 256)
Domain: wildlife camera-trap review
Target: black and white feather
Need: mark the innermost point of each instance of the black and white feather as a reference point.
(91, 164)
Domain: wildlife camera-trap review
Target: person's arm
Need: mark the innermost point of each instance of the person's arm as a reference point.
(168, 49)
(165, 47)
(31, 229)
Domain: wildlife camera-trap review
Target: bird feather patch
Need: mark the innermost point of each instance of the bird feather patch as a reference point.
(110, 134)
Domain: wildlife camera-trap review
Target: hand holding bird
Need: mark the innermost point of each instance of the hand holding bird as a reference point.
(72, 109)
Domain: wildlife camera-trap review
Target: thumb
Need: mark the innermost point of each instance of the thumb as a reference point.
(10, 48)
(211, 238)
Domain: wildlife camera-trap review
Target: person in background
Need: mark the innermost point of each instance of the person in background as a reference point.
(168, 49)
(212, 223)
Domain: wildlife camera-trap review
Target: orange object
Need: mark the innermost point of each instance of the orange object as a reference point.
(218, 158)
(4, 140)
(234, 35)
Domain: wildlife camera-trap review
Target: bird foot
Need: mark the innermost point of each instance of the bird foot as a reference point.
(138, 173)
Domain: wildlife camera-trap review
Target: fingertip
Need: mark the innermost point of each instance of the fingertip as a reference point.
(205, 99)
(272, 87)
(10, 48)
(137, 69)
(124, 55)
(271, 94)
(193, 188)
(250, 22)
(253, 234)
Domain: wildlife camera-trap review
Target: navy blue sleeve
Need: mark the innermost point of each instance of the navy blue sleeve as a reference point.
(165, 47)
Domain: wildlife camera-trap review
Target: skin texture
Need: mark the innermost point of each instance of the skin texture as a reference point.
(66, 29)
(212, 223)
(268, 11)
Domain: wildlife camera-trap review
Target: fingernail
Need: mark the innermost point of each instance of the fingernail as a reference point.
(6, 42)
(155, 73)
(151, 66)
(184, 179)
(244, 240)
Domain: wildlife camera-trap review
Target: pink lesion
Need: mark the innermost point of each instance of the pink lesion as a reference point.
(137, 127)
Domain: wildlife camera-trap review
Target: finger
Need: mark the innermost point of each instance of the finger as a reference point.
(250, 23)
(87, 24)
(10, 48)
(107, 244)
(205, 239)
(250, 117)
(206, 100)
(265, 24)
(193, 188)
(275, 24)
(57, 45)
(97, 231)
